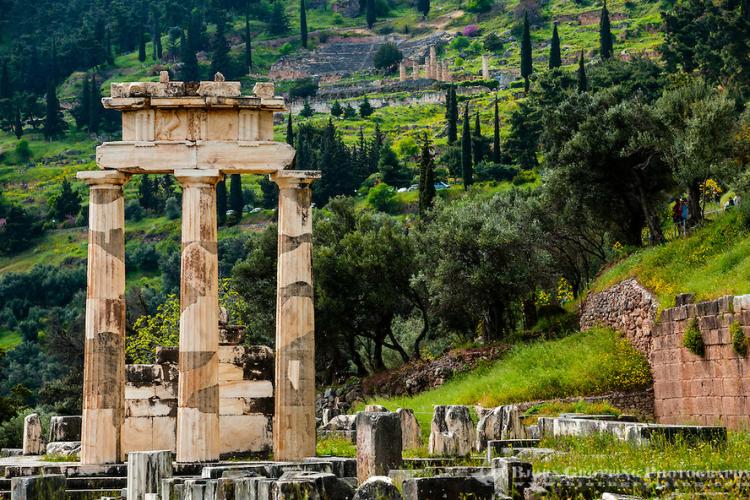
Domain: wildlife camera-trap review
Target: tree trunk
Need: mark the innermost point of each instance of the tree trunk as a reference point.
(652, 220)
(425, 329)
(695, 216)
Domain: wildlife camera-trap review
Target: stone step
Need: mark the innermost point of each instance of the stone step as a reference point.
(91, 494)
(115, 482)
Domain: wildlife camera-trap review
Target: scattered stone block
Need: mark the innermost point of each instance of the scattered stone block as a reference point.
(563, 486)
(65, 428)
(378, 443)
(423, 488)
(264, 90)
(10, 452)
(375, 408)
(502, 422)
(411, 433)
(68, 448)
(452, 431)
(47, 487)
(33, 442)
(378, 488)
(146, 469)
(512, 476)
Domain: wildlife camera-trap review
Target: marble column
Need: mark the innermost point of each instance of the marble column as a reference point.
(294, 415)
(104, 347)
(485, 67)
(415, 70)
(433, 62)
(401, 72)
(198, 389)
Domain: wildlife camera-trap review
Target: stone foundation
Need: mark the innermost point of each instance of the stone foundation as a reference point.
(246, 396)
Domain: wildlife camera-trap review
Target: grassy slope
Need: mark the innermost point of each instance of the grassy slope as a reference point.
(581, 364)
(714, 261)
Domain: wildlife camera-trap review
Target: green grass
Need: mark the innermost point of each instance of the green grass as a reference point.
(605, 453)
(582, 364)
(9, 339)
(714, 261)
(336, 447)
(61, 458)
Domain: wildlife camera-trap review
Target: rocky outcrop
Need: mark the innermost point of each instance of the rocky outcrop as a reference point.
(627, 307)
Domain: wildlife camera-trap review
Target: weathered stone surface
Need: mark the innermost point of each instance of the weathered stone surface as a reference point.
(452, 431)
(11, 452)
(33, 441)
(502, 422)
(564, 486)
(264, 90)
(511, 476)
(375, 408)
(378, 488)
(65, 428)
(411, 432)
(448, 487)
(146, 470)
(378, 443)
(47, 487)
(628, 308)
(69, 448)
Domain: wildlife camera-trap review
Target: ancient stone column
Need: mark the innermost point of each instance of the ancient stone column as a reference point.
(294, 416)
(447, 72)
(415, 70)
(439, 71)
(33, 441)
(485, 67)
(198, 390)
(401, 72)
(433, 62)
(104, 348)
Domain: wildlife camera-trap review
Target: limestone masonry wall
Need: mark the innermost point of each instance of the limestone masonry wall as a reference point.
(245, 400)
(688, 388)
(627, 307)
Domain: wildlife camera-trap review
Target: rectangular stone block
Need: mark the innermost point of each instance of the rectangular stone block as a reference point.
(47, 487)
(230, 372)
(447, 487)
(246, 389)
(511, 476)
(244, 433)
(379, 443)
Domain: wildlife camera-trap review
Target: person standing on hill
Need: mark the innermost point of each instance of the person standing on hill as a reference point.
(685, 215)
(677, 216)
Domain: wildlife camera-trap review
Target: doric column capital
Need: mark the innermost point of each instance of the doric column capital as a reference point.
(103, 178)
(295, 179)
(198, 177)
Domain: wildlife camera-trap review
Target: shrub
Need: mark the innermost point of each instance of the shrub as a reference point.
(460, 43)
(471, 30)
(286, 49)
(524, 177)
(338, 18)
(739, 341)
(306, 110)
(23, 151)
(382, 198)
(172, 208)
(693, 340)
(336, 109)
(303, 88)
(133, 211)
(387, 57)
(365, 108)
(493, 43)
(479, 6)
(349, 112)
(489, 171)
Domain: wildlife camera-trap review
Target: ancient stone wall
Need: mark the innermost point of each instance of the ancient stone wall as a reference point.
(627, 307)
(707, 389)
(688, 388)
(245, 400)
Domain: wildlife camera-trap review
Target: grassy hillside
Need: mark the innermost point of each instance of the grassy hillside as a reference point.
(713, 261)
(582, 364)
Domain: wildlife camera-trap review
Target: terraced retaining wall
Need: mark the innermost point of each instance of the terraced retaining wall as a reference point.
(707, 389)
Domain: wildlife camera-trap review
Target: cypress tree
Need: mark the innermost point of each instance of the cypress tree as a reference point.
(221, 202)
(555, 60)
(94, 107)
(468, 169)
(527, 63)
(220, 58)
(496, 137)
(452, 115)
(248, 45)
(189, 72)
(18, 124)
(303, 22)
(278, 24)
(84, 104)
(605, 34)
(289, 131)
(141, 45)
(583, 84)
(146, 195)
(154, 34)
(236, 200)
(5, 90)
(53, 122)
(426, 176)
(478, 146)
(370, 13)
(423, 6)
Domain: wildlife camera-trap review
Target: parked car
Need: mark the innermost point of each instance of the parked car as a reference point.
(441, 185)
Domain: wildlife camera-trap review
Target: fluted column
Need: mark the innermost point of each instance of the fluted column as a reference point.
(198, 389)
(294, 415)
(104, 348)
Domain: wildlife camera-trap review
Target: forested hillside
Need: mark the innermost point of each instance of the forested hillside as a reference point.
(471, 208)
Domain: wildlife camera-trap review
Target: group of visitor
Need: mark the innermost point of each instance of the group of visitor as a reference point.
(680, 214)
